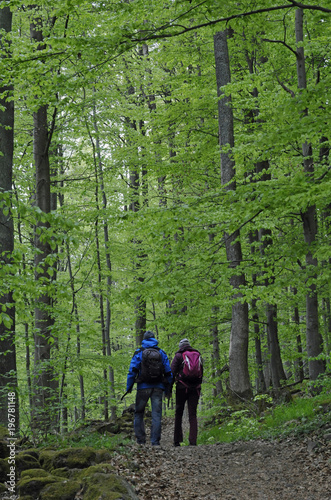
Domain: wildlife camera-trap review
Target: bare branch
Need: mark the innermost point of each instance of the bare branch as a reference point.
(153, 35)
(309, 7)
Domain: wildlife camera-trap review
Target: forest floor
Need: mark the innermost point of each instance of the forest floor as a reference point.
(293, 469)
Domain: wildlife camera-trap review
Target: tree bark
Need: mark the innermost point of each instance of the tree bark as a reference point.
(44, 376)
(111, 379)
(313, 337)
(8, 377)
(238, 352)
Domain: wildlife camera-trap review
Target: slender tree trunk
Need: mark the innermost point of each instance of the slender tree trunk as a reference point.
(44, 376)
(260, 380)
(309, 219)
(298, 363)
(109, 267)
(8, 377)
(134, 206)
(238, 353)
(216, 362)
(276, 365)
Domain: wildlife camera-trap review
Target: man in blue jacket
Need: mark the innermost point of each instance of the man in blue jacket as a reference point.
(153, 377)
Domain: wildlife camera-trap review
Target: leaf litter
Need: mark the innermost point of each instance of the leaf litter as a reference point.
(291, 468)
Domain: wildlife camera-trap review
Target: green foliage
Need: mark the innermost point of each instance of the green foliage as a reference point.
(93, 440)
(298, 418)
(115, 110)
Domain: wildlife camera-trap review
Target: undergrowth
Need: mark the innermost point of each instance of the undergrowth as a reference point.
(302, 416)
(87, 439)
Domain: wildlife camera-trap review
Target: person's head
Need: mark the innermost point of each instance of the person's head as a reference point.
(149, 335)
(184, 343)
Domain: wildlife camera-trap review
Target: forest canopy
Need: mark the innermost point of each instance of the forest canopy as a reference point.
(164, 166)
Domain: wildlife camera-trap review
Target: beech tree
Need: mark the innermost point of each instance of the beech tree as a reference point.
(238, 359)
(150, 231)
(8, 375)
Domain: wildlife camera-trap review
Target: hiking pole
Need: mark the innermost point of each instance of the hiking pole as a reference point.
(130, 388)
(127, 392)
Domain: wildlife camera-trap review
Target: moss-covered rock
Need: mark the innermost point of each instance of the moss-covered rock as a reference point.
(61, 472)
(33, 485)
(78, 458)
(97, 482)
(104, 468)
(46, 459)
(34, 473)
(3, 432)
(72, 458)
(25, 461)
(61, 490)
(102, 456)
(34, 452)
(4, 470)
(101, 486)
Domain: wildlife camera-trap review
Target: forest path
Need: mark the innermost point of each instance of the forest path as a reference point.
(257, 470)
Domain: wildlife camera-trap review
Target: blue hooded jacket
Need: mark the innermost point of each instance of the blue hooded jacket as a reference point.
(135, 364)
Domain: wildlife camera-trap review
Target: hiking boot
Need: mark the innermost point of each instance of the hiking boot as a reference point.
(176, 444)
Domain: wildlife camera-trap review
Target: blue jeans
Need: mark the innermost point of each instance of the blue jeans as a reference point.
(142, 397)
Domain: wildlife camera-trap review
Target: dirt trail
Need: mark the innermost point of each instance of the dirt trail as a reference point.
(290, 469)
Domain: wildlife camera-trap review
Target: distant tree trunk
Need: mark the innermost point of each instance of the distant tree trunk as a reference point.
(216, 361)
(8, 377)
(260, 380)
(140, 302)
(324, 156)
(298, 363)
(238, 353)
(44, 380)
(276, 365)
(309, 219)
(108, 264)
(134, 206)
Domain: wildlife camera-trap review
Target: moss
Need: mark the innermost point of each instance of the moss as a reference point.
(4, 469)
(33, 485)
(34, 473)
(62, 490)
(46, 459)
(61, 472)
(104, 468)
(73, 458)
(102, 456)
(34, 452)
(24, 461)
(3, 432)
(102, 486)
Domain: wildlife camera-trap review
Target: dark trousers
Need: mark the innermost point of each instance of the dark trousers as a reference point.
(191, 395)
(142, 397)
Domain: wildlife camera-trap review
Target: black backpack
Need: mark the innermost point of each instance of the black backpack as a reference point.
(151, 370)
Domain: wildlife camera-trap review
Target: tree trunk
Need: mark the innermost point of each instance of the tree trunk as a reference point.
(238, 353)
(276, 365)
(44, 376)
(8, 377)
(298, 363)
(109, 267)
(309, 219)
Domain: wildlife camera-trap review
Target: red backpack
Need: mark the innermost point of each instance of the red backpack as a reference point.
(192, 368)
